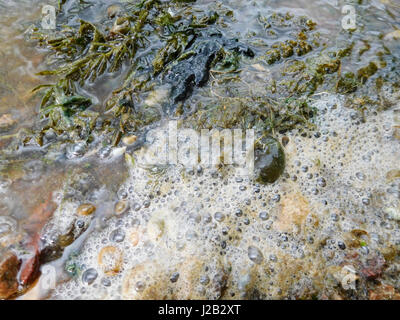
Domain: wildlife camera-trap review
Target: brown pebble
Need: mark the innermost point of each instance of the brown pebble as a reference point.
(86, 209)
(9, 267)
(285, 141)
(120, 207)
(129, 140)
(134, 237)
(6, 121)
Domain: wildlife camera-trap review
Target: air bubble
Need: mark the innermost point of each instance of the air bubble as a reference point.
(118, 235)
(89, 276)
(255, 254)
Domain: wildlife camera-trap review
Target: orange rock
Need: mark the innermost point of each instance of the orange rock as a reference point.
(293, 212)
(384, 292)
(120, 207)
(9, 267)
(373, 267)
(30, 269)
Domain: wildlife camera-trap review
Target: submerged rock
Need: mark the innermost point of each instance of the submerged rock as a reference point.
(30, 269)
(293, 211)
(394, 35)
(114, 10)
(194, 71)
(384, 292)
(86, 209)
(9, 267)
(6, 122)
(269, 161)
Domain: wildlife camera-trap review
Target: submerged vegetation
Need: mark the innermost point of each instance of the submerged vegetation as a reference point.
(165, 51)
(187, 46)
(159, 55)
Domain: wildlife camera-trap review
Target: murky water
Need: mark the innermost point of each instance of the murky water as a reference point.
(274, 241)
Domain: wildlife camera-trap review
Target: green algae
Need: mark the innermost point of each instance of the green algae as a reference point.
(303, 65)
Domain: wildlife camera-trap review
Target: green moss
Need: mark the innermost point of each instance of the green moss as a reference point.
(155, 45)
(303, 48)
(228, 61)
(347, 83)
(302, 78)
(175, 46)
(272, 56)
(364, 49)
(165, 19)
(365, 73)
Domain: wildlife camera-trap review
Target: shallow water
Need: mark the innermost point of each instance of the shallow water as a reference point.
(333, 184)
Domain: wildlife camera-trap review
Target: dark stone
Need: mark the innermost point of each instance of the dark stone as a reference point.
(174, 277)
(194, 71)
(269, 161)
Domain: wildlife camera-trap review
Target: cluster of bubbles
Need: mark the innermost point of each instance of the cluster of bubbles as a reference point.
(206, 233)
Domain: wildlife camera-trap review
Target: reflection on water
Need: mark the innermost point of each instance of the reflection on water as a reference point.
(19, 61)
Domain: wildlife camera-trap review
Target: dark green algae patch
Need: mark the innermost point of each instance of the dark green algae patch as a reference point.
(148, 45)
